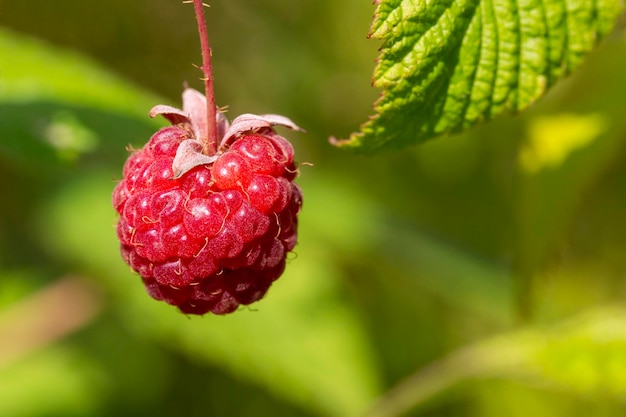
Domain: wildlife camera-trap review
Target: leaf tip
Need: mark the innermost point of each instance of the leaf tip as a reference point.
(353, 142)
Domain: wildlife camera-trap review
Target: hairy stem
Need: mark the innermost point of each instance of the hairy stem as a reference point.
(210, 142)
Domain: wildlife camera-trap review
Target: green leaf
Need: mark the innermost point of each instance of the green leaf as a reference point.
(446, 65)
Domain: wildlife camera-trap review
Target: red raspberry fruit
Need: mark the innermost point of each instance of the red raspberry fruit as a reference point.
(209, 233)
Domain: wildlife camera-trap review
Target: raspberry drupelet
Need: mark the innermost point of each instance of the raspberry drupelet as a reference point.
(208, 233)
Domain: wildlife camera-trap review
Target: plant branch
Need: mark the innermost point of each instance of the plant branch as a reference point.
(210, 142)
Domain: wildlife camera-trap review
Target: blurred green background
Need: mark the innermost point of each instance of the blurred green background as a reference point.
(481, 274)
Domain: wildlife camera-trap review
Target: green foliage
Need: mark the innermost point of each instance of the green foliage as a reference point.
(300, 335)
(73, 392)
(447, 65)
(49, 116)
(585, 354)
(461, 278)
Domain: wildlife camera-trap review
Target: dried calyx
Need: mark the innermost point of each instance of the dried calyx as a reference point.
(194, 151)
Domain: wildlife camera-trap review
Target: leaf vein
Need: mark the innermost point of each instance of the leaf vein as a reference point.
(517, 11)
(548, 47)
(472, 83)
(497, 55)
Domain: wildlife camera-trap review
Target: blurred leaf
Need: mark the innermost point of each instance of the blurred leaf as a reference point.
(57, 381)
(585, 355)
(60, 115)
(552, 138)
(303, 342)
(461, 279)
(497, 398)
(39, 71)
(583, 127)
(436, 267)
(447, 65)
(575, 151)
(69, 136)
(16, 284)
(48, 99)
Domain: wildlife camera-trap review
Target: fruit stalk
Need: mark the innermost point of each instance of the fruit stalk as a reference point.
(210, 142)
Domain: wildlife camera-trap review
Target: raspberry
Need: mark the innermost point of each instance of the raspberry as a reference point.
(208, 233)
